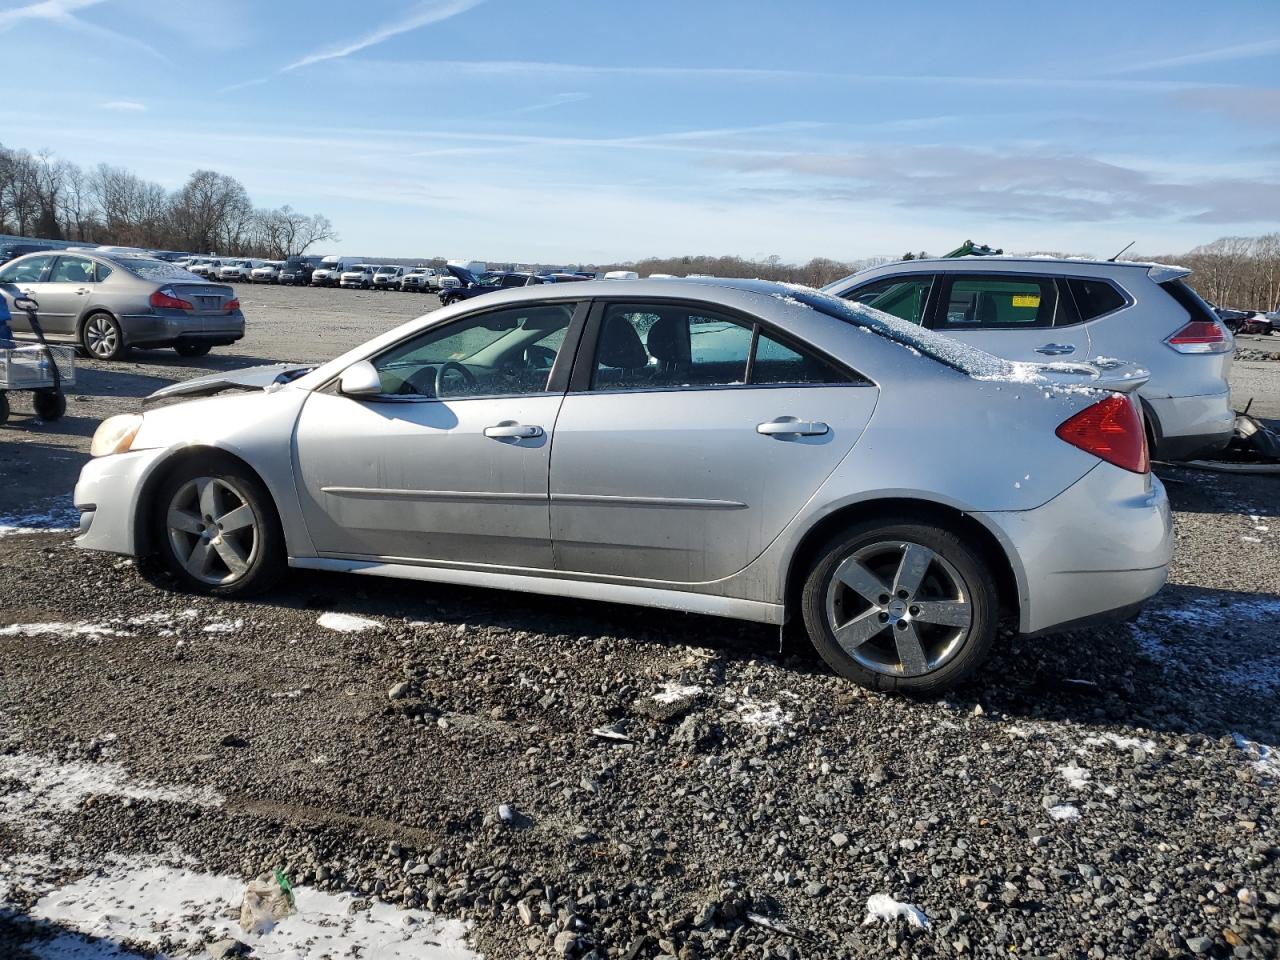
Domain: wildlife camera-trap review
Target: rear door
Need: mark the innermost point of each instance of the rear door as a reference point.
(689, 439)
(1019, 316)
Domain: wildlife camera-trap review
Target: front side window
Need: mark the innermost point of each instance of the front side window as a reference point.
(26, 270)
(906, 298)
(499, 353)
(72, 270)
(673, 346)
(984, 303)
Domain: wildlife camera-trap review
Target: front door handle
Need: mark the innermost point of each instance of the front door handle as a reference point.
(516, 431)
(791, 427)
(1056, 349)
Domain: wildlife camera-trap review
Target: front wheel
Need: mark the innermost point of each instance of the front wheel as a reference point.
(901, 605)
(49, 404)
(215, 529)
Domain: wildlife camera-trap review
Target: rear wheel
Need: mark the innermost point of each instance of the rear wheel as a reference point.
(49, 404)
(215, 529)
(901, 605)
(4, 409)
(102, 338)
(192, 349)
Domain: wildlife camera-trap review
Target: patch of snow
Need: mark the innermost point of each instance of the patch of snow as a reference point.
(56, 516)
(223, 626)
(882, 907)
(160, 907)
(346, 622)
(48, 786)
(1120, 743)
(57, 627)
(671, 692)
(1263, 758)
(1076, 777)
(1064, 811)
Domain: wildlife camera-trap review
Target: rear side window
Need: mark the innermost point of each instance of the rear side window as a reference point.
(904, 297)
(977, 302)
(1095, 297)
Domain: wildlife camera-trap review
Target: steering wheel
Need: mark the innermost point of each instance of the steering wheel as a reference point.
(452, 366)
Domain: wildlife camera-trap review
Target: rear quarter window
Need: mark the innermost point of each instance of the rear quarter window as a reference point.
(1095, 297)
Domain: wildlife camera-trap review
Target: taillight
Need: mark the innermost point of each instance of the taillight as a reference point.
(1201, 336)
(231, 306)
(165, 298)
(1111, 430)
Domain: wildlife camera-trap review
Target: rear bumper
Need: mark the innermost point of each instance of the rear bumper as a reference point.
(164, 328)
(1097, 551)
(1190, 427)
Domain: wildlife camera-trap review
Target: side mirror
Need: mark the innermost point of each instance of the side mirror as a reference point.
(360, 380)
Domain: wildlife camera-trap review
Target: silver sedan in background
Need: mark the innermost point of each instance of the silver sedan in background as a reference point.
(108, 302)
(736, 448)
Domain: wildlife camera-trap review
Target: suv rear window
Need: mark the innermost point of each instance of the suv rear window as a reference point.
(1095, 297)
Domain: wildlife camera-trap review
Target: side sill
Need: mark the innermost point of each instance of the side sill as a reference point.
(731, 607)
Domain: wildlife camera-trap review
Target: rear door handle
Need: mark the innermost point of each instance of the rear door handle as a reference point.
(1056, 349)
(791, 427)
(517, 431)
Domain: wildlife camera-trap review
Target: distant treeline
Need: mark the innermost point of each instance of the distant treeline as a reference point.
(816, 273)
(57, 200)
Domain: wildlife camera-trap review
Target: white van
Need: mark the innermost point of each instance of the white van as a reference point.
(331, 268)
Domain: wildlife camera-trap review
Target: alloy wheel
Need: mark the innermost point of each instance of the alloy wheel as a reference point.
(212, 530)
(101, 337)
(899, 608)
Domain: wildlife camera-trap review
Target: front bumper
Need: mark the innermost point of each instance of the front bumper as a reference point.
(107, 497)
(1096, 551)
(1190, 427)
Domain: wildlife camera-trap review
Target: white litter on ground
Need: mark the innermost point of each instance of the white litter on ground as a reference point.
(49, 786)
(1119, 742)
(1064, 811)
(346, 622)
(1076, 777)
(882, 907)
(159, 907)
(56, 516)
(671, 692)
(61, 628)
(1263, 758)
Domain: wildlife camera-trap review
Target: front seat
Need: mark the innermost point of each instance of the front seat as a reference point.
(668, 342)
(620, 348)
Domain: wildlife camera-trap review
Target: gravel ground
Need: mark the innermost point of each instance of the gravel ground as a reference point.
(573, 779)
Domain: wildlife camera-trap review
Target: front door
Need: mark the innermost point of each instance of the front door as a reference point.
(450, 462)
(1016, 316)
(23, 278)
(698, 437)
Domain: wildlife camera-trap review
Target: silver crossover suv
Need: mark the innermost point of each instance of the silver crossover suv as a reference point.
(737, 448)
(1042, 309)
(109, 302)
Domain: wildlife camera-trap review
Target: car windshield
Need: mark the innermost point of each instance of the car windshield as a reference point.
(158, 270)
(952, 353)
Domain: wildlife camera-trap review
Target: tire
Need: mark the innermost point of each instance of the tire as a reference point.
(192, 349)
(102, 338)
(4, 409)
(887, 641)
(49, 404)
(214, 557)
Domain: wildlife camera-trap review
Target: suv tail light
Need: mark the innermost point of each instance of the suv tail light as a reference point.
(165, 298)
(1111, 430)
(231, 306)
(1201, 336)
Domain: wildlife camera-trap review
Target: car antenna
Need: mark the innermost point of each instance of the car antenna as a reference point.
(1126, 247)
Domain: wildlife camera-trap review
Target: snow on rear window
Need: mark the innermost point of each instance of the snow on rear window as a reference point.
(158, 270)
(953, 353)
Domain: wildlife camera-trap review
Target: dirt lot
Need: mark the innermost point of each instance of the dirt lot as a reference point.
(443, 771)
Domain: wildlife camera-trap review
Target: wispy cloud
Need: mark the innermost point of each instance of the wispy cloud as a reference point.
(1240, 51)
(423, 15)
(62, 13)
(559, 100)
(124, 106)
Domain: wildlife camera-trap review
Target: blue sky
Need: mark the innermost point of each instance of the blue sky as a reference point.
(581, 130)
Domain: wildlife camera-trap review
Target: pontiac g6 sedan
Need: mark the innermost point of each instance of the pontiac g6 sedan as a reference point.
(737, 448)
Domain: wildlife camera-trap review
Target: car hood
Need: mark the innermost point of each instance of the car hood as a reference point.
(250, 378)
(464, 275)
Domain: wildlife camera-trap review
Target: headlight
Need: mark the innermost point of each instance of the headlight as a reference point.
(115, 435)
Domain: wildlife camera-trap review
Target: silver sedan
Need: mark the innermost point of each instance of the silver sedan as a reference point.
(108, 302)
(735, 448)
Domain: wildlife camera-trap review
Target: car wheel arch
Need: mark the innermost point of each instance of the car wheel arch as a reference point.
(1009, 578)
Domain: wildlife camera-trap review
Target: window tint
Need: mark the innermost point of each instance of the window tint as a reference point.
(903, 297)
(1095, 297)
(27, 270)
(1000, 302)
(499, 353)
(775, 363)
(101, 272)
(72, 270)
(662, 346)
